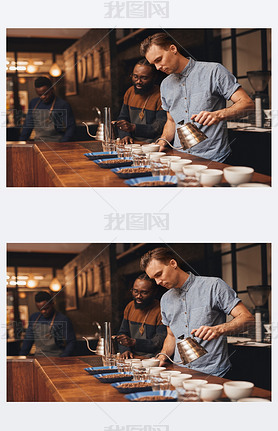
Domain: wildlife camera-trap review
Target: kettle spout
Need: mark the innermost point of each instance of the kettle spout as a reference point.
(165, 354)
(87, 127)
(87, 342)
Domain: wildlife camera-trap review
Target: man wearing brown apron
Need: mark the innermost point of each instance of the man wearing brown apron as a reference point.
(50, 117)
(50, 330)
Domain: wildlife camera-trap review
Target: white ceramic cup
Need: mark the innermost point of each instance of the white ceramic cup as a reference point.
(156, 370)
(193, 383)
(210, 392)
(210, 177)
(236, 175)
(253, 185)
(155, 156)
(170, 373)
(168, 159)
(150, 362)
(238, 389)
(150, 148)
(253, 400)
(177, 381)
(177, 165)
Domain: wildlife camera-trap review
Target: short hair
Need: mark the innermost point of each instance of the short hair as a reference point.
(160, 39)
(145, 277)
(43, 296)
(43, 81)
(162, 254)
(144, 62)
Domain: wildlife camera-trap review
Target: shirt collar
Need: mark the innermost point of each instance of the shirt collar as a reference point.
(186, 71)
(188, 283)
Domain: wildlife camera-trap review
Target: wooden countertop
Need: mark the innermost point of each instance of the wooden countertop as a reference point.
(66, 166)
(67, 381)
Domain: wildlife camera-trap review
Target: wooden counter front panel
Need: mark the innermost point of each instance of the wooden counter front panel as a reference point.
(20, 166)
(44, 390)
(20, 380)
(43, 174)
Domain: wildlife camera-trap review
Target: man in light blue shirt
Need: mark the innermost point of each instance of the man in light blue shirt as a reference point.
(196, 305)
(196, 91)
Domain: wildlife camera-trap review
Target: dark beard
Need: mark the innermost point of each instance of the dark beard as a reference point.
(144, 304)
(144, 90)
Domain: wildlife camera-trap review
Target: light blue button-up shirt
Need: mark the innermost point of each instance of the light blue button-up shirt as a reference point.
(200, 301)
(201, 86)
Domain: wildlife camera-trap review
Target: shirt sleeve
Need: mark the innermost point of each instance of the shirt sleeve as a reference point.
(224, 297)
(226, 82)
(163, 306)
(163, 91)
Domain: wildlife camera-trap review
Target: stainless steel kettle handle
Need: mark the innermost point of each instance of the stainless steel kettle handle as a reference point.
(167, 142)
(165, 354)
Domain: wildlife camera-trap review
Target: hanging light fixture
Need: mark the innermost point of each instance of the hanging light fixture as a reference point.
(55, 70)
(32, 282)
(55, 284)
(31, 68)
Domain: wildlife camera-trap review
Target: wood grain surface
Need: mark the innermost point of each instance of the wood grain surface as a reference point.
(64, 165)
(64, 379)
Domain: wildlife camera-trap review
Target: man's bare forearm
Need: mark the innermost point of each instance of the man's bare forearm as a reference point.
(237, 110)
(169, 345)
(238, 324)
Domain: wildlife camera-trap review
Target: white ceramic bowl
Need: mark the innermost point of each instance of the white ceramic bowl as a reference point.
(210, 177)
(137, 151)
(236, 175)
(253, 400)
(150, 362)
(193, 383)
(177, 381)
(253, 185)
(150, 148)
(210, 392)
(169, 373)
(166, 159)
(177, 165)
(157, 370)
(193, 169)
(198, 167)
(238, 389)
(155, 156)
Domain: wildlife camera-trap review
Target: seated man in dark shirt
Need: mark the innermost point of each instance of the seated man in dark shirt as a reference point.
(50, 117)
(141, 116)
(51, 331)
(141, 331)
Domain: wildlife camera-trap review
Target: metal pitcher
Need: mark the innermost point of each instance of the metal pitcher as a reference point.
(106, 345)
(99, 136)
(189, 135)
(105, 131)
(189, 350)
